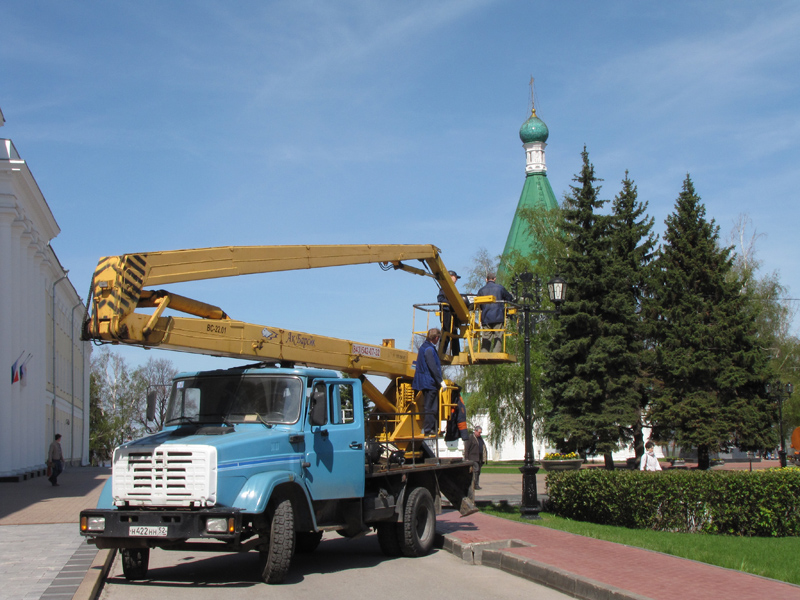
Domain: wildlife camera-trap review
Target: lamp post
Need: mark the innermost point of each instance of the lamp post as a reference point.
(780, 392)
(72, 382)
(527, 290)
(55, 283)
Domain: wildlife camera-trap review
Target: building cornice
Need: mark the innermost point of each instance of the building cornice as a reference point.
(17, 180)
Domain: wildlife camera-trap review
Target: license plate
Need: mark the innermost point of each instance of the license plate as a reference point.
(145, 531)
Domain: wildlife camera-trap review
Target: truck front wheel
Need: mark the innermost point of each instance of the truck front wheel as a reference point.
(276, 552)
(419, 523)
(135, 562)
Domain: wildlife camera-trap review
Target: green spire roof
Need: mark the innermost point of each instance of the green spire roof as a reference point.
(536, 191)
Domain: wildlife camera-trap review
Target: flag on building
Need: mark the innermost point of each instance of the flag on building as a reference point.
(15, 370)
(23, 371)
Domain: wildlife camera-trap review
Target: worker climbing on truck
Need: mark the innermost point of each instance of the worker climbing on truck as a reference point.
(428, 379)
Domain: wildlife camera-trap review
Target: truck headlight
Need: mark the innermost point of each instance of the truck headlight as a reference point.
(221, 525)
(93, 524)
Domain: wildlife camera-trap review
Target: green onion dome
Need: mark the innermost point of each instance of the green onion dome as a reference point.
(533, 130)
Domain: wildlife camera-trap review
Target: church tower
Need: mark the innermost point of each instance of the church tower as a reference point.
(536, 191)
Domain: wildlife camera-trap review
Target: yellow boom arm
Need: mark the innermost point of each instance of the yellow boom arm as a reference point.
(118, 290)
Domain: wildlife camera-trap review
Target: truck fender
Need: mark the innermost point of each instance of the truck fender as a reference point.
(257, 491)
(106, 500)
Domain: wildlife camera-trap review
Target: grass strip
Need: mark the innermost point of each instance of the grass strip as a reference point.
(768, 557)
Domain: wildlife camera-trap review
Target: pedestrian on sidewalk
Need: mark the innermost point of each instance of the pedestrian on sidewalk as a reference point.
(55, 459)
(649, 460)
(475, 450)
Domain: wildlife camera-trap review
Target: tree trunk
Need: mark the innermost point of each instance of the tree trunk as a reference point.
(703, 458)
(609, 461)
(638, 440)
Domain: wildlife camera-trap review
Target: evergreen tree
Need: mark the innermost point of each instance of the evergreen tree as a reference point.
(633, 248)
(708, 368)
(590, 407)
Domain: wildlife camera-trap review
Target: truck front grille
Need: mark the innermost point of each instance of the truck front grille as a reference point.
(166, 475)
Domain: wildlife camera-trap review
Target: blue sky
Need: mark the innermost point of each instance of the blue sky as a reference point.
(159, 125)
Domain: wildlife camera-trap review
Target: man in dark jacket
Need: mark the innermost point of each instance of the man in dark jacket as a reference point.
(493, 315)
(428, 379)
(475, 450)
(461, 416)
(450, 323)
(55, 459)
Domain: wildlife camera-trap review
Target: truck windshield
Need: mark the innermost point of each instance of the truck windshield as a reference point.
(235, 398)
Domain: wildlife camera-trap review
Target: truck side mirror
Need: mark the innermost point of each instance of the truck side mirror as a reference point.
(319, 409)
(151, 405)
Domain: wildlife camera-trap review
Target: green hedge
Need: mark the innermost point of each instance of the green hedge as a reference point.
(758, 503)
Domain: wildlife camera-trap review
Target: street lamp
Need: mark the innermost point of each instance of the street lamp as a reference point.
(780, 392)
(527, 290)
(55, 283)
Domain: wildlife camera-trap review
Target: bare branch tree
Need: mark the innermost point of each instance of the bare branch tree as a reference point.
(154, 376)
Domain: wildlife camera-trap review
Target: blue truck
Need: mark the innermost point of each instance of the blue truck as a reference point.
(267, 459)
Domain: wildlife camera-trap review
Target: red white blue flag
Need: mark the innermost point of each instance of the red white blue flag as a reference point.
(15, 370)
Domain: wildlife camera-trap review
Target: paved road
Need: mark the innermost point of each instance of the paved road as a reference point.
(339, 569)
(41, 556)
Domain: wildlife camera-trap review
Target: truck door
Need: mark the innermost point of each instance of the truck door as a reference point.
(335, 440)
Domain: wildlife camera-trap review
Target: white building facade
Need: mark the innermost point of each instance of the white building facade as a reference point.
(45, 389)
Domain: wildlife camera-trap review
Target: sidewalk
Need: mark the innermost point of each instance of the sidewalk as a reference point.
(42, 555)
(589, 568)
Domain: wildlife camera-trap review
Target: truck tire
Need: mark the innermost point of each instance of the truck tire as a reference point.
(419, 523)
(135, 562)
(307, 541)
(277, 556)
(389, 536)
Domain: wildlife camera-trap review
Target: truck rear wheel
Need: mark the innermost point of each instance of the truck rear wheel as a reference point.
(389, 536)
(419, 523)
(135, 562)
(277, 556)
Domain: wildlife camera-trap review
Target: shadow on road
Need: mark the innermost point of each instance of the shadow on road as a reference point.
(197, 570)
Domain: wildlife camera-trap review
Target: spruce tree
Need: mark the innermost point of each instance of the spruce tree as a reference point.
(587, 350)
(709, 372)
(632, 251)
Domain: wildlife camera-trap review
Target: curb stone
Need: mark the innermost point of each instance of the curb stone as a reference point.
(95, 577)
(498, 556)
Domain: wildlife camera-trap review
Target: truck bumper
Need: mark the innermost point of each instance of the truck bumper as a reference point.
(159, 528)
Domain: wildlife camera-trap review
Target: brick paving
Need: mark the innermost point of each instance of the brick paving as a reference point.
(621, 571)
(642, 572)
